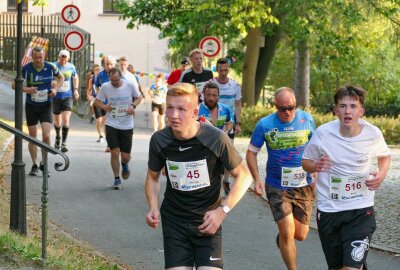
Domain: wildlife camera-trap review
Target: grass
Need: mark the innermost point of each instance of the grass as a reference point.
(63, 251)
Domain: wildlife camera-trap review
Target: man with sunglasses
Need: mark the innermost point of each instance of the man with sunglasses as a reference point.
(286, 134)
(62, 102)
(231, 96)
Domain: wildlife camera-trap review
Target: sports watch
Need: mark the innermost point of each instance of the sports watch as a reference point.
(225, 208)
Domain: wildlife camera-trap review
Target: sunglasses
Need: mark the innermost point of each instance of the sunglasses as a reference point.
(286, 108)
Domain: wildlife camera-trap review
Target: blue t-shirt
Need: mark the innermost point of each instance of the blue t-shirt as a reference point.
(285, 143)
(42, 80)
(101, 78)
(224, 114)
(69, 72)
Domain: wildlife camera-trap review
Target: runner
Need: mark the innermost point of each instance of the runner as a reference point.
(101, 78)
(158, 93)
(127, 75)
(194, 155)
(341, 151)
(91, 94)
(176, 74)
(285, 133)
(231, 96)
(38, 88)
(62, 102)
(197, 74)
(214, 111)
(119, 123)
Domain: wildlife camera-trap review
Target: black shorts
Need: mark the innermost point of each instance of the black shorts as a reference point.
(231, 134)
(34, 114)
(296, 201)
(62, 105)
(345, 236)
(119, 138)
(160, 108)
(184, 245)
(98, 112)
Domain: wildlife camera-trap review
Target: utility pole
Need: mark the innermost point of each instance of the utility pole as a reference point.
(18, 183)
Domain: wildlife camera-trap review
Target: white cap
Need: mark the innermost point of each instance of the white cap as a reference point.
(64, 53)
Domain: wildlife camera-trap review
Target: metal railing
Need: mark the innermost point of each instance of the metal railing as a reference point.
(58, 166)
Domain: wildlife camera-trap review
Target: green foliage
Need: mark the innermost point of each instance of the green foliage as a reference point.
(390, 126)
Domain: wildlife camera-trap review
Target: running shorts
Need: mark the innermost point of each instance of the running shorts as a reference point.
(35, 114)
(296, 201)
(160, 108)
(62, 105)
(345, 236)
(119, 138)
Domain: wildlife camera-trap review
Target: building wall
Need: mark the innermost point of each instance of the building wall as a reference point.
(111, 37)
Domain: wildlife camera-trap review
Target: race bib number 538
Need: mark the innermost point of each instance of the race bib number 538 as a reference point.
(188, 176)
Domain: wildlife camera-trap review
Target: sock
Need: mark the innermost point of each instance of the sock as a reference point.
(116, 177)
(57, 131)
(64, 133)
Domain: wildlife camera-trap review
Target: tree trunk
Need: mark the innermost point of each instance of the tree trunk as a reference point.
(265, 58)
(302, 74)
(250, 65)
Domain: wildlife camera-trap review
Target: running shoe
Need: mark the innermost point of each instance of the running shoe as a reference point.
(100, 139)
(64, 148)
(125, 171)
(117, 184)
(41, 168)
(57, 143)
(226, 186)
(34, 170)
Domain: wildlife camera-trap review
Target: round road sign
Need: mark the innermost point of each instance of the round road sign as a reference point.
(74, 40)
(211, 46)
(70, 14)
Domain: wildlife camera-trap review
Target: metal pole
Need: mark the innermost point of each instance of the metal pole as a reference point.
(42, 25)
(45, 189)
(18, 183)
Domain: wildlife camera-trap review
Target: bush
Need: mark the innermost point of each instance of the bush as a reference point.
(390, 126)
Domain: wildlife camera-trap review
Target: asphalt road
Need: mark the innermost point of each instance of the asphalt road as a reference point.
(82, 202)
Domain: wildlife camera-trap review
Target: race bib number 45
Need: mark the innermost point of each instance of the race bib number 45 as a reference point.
(188, 176)
(346, 188)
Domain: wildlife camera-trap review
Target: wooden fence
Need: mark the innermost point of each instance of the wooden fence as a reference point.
(54, 30)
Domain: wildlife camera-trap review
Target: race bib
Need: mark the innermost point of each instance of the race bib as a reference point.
(293, 177)
(188, 176)
(65, 87)
(346, 188)
(40, 96)
(119, 111)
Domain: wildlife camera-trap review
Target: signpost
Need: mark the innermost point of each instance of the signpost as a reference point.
(211, 46)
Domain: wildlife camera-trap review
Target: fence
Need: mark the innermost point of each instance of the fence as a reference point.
(54, 30)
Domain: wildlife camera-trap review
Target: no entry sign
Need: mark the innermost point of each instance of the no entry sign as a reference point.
(211, 46)
(74, 40)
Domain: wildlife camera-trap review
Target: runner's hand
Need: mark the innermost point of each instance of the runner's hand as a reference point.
(238, 129)
(212, 221)
(76, 95)
(108, 107)
(324, 164)
(30, 90)
(259, 187)
(153, 218)
(53, 93)
(374, 181)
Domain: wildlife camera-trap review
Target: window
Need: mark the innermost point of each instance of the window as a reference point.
(109, 6)
(12, 5)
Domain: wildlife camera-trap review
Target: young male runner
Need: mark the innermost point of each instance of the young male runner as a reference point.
(194, 155)
(341, 151)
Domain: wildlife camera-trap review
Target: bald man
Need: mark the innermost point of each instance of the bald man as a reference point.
(285, 133)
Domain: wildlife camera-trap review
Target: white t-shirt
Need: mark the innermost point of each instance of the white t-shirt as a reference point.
(343, 187)
(229, 93)
(120, 99)
(131, 78)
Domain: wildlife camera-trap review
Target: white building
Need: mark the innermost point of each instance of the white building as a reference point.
(141, 47)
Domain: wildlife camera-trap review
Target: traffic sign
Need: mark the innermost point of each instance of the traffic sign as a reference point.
(70, 14)
(74, 40)
(211, 46)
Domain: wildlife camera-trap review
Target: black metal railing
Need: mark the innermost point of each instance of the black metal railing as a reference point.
(58, 166)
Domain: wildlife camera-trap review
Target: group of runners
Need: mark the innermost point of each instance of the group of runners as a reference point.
(196, 148)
